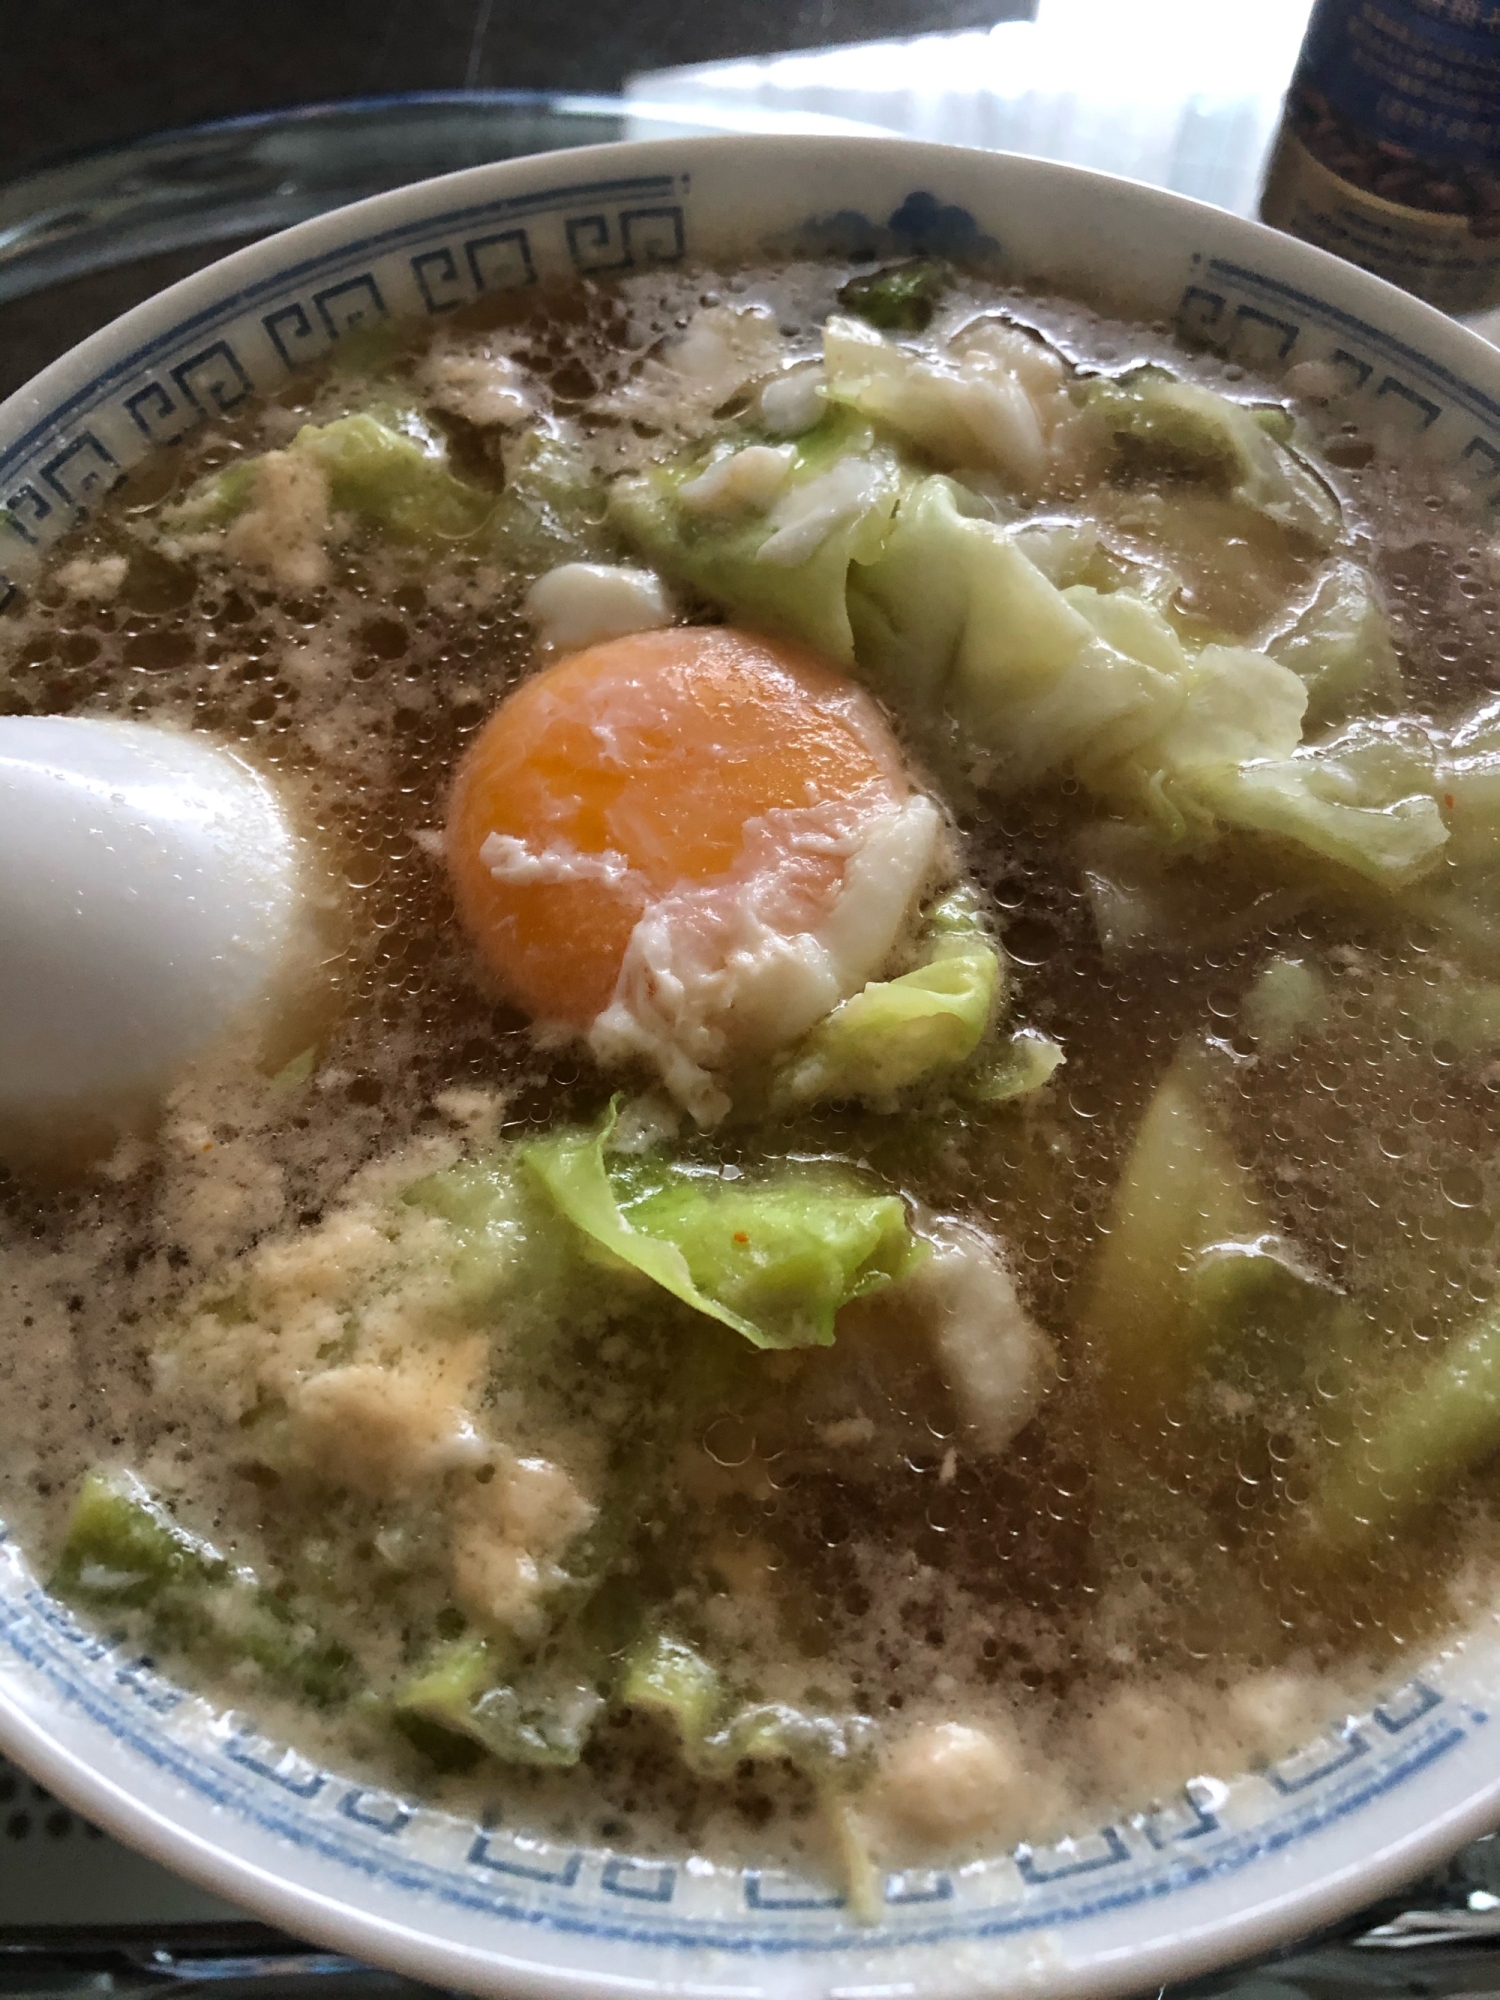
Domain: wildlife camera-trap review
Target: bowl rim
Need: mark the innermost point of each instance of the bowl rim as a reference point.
(426, 1954)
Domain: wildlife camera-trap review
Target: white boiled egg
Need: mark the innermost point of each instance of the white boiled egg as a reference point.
(148, 900)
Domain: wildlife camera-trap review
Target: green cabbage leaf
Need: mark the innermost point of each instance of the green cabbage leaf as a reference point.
(1248, 450)
(782, 566)
(125, 1551)
(666, 1677)
(1025, 1061)
(902, 1031)
(1339, 646)
(1427, 1432)
(954, 616)
(388, 468)
(460, 1705)
(900, 298)
(773, 1259)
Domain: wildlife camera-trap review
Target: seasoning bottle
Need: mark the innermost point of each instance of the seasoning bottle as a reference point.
(1389, 148)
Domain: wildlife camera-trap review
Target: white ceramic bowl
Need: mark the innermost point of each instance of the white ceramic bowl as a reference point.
(1217, 1873)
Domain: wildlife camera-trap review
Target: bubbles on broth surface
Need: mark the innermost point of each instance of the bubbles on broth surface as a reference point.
(1132, 1619)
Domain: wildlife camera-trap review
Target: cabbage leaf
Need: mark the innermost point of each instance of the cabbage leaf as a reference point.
(1180, 1192)
(899, 298)
(1339, 645)
(1429, 1432)
(125, 1551)
(1248, 449)
(387, 467)
(954, 616)
(1365, 799)
(995, 396)
(781, 567)
(1024, 1062)
(460, 1705)
(773, 1259)
(898, 1032)
(664, 1676)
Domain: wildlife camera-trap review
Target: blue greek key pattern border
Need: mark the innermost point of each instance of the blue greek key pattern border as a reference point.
(209, 364)
(630, 1898)
(1263, 323)
(252, 338)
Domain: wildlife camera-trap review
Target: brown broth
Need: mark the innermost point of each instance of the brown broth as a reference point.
(1054, 1587)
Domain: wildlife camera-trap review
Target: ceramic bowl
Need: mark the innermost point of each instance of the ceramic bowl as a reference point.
(1221, 1871)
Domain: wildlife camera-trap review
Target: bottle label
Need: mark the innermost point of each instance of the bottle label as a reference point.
(1391, 142)
(1437, 256)
(1419, 78)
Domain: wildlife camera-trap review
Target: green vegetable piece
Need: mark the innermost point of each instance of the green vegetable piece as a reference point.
(388, 468)
(125, 1551)
(774, 1260)
(952, 617)
(1249, 450)
(216, 500)
(1026, 1061)
(898, 1032)
(781, 570)
(666, 1677)
(1181, 1191)
(900, 298)
(1431, 1431)
(550, 509)
(1340, 645)
(500, 1248)
(459, 1707)
(548, 1725)
(123, 1547)
(1256, 1315)
(394, 474)
(823, 1747)
(432, 1709)
(1364, 800)
(292, 1075)
(513, 1252)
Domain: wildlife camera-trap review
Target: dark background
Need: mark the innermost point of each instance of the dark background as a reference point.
(81, 73)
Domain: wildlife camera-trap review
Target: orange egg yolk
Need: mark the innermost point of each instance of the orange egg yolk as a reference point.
(645, 757)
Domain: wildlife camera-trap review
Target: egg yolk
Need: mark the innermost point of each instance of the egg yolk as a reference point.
(632, 770)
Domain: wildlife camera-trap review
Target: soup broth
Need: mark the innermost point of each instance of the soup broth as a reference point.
(1152, 1429)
